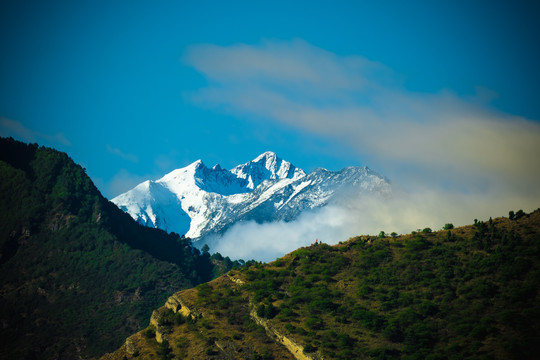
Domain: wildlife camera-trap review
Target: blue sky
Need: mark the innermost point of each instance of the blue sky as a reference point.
(435, 95)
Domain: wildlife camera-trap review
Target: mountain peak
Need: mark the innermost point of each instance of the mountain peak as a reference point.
(267, 166)
(196, 164)
(266, 155)
(179, 175)
(197, 200)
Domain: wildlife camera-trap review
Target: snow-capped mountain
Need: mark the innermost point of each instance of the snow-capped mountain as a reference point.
(199, 201)
(266, 166)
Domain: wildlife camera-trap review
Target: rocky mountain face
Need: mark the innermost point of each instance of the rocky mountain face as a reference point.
(198, 201)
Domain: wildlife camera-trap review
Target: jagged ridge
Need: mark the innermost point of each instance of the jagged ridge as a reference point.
(198, 201)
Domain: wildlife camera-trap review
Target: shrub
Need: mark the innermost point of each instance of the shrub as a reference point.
(150, 333)
(182, 343)
(179, 319)
(369, 319)
(314, 323)
(345, 341)
(166, 318)
(270, 312)
(165, 350)
(203, 291)
(364, 290)
(419, 243)
(427, 308)
(393, 332)
(207, 324)
(309, 348)
(290, 328)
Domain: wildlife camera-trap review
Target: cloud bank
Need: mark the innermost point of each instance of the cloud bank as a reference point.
(456, 157)
(453, 141)
(402, 213)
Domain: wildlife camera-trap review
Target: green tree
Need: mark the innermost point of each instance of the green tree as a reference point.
(149, 333)
(165, 351)
(271, 311)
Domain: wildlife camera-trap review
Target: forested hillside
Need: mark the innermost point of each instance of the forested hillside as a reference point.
(466, 293)
(77, 275)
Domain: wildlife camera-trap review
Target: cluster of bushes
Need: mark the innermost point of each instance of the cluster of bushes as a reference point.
(471, 292)
(429, 295)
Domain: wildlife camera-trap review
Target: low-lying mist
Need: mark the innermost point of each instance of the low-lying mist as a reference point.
(402, 212)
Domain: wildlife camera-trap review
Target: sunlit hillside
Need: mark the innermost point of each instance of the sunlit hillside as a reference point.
(465, 293)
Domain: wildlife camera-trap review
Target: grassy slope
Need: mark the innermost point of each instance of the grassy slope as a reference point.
(467, 293)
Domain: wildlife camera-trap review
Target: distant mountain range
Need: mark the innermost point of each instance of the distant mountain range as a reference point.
(198, 201)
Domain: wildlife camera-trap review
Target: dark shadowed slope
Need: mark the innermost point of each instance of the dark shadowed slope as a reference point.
(77, 275)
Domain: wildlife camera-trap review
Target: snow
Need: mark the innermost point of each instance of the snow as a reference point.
(267, 194)
(198, 201)
(266, 166)
(297, 190)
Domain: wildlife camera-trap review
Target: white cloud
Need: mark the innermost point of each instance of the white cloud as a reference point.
(268, 241)
(420, 140)
(16, 129)
(366, 215)
(294, 63)
(457, 158)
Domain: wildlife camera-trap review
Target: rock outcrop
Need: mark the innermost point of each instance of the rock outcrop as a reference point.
(176, 304)
(294, 348)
